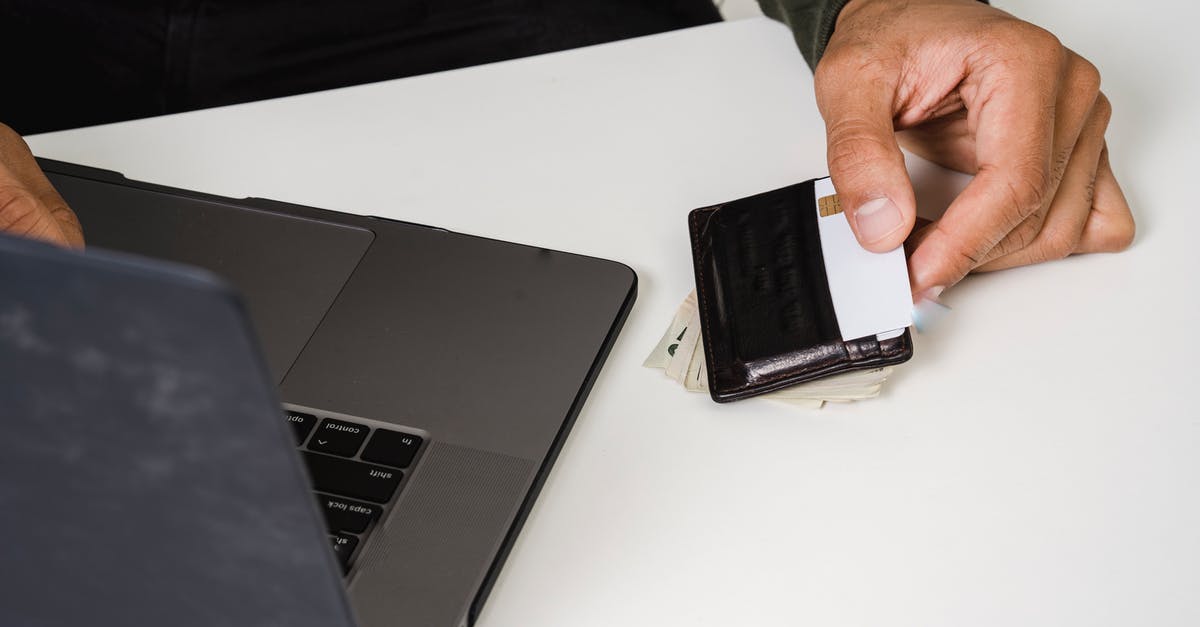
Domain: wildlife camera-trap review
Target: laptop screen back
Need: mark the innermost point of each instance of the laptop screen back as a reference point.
(146, 476)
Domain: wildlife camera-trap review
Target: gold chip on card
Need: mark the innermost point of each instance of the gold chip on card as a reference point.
(829, 205)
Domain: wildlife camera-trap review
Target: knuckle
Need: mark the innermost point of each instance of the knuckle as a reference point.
(961, 255)
(1061, 159)
(1119, 235)
(1020, 238)
(1057, 244)
(18, 208)
(15, 199)
(854, 147)
(1030, 187)
(69, 221)
(1103, 109)
(1026, 233)
(1089, 192)
(838, 59)
(1035, 41)
(966, 259)
(1085, 75)
(947, 255)
(22, 213)
(1026, 190)
(829, 65)
(833, 66)
(1044, 43)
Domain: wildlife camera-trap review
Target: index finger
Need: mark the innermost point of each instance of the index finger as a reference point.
(1011, 114)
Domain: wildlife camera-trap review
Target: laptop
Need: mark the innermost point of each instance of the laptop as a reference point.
(427, 378)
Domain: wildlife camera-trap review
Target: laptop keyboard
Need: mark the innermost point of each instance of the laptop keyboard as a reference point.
(356, 472)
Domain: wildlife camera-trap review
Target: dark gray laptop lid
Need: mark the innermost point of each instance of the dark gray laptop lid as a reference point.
(288, 269)
(146, 475)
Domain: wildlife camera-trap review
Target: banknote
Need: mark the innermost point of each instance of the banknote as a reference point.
(667, 346)
(680, 354)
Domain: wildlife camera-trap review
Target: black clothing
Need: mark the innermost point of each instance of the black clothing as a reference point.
(811, 21)
(78, 63)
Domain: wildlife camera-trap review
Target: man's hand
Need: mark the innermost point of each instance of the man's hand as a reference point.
(29, 205)
(974, 89)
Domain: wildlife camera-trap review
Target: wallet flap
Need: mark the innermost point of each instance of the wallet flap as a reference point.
(767, 317)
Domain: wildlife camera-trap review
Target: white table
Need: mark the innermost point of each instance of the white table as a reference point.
(1037, 463)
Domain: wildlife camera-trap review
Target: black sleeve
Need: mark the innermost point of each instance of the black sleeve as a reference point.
(811, 21)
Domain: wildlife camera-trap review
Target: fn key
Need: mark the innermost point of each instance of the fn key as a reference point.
(391, 448)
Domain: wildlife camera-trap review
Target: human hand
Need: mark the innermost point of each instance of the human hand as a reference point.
(29, 205)
(974, 89)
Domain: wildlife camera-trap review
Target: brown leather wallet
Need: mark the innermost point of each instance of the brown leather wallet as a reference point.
(766, 313)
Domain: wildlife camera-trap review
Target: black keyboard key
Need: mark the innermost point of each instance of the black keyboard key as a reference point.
(338, 438)
(357, 480)
(302, 423)
(392, 448)
(346, 515)
(343, 548)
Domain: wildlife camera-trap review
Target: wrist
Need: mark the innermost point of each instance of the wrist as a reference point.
(853, 10)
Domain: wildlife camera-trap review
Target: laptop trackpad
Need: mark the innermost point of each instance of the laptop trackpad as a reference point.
(288, 269)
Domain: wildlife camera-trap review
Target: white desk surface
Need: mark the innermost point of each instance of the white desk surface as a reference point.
(1037, 463)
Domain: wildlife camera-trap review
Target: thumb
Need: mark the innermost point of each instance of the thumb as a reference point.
(865, 161)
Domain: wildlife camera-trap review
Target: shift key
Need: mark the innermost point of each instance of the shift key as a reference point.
(357, 480)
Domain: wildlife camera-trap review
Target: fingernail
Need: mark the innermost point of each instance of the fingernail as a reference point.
(877, 218)
(934, 292)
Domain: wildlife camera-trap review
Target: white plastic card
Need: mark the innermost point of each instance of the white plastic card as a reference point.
(870, 291)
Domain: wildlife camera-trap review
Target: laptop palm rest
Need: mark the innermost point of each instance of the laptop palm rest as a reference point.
(288, 269)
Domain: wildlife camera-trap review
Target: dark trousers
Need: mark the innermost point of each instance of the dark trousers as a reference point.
(66, 64)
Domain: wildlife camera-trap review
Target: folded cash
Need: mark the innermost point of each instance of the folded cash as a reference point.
(680, 354)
